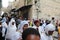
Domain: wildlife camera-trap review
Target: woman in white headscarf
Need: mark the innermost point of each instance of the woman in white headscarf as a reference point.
(49, 29)
(23, 25)
(11, 30)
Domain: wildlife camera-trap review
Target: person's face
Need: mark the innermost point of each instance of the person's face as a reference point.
(12, 23)
(33, 37)
(25, 26)
(38, 24)
(50, 32)
(21, 18)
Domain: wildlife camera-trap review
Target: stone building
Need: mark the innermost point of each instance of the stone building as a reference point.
(46, 9)
(23, 8)
(50, 8)
(37, 9)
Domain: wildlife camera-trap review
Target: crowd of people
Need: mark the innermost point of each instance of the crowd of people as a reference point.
(31, 29)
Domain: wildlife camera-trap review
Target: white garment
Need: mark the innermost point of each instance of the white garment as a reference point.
(4, 24)
(16, 36)
(11, 30)
(44, 25)
(49, 27)
(45, 37)
(4, 19)
(40, 28)
(4, 28)
(21, 25)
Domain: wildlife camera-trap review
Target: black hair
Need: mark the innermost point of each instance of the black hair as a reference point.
(28, 32)
(53, 18)
(47, 22)
(36, 21)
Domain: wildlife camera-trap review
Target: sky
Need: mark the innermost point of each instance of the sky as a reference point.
(5, 3)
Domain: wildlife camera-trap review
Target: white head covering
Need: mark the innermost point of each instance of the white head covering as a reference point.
(49, 27)
(10, 23)
(22, 25)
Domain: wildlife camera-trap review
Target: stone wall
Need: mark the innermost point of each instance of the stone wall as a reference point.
(48, 9)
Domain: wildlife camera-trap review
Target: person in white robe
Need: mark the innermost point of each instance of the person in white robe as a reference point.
(23, 25)
(4, 29)
(45, 24)
(38, 27)
(12, 34)
(49, 29)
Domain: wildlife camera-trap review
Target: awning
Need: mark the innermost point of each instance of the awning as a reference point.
(13, 10)
(24, 8)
